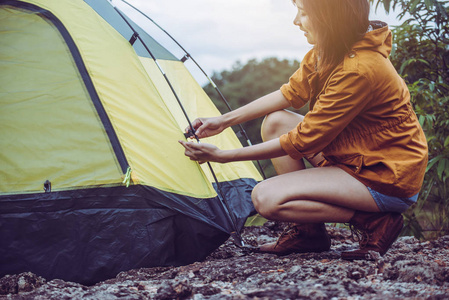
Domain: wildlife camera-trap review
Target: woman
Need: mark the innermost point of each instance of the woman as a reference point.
(361, 134)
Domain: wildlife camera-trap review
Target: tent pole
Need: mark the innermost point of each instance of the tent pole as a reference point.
(187, 56)
(235, 234)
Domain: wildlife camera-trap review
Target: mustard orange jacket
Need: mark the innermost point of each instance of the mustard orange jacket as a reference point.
(360, 118)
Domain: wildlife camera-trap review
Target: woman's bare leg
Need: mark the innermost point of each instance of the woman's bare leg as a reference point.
(315, 195)
(303, 195)
(276, 124)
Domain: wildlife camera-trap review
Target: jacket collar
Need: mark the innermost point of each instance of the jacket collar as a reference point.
(379, 39)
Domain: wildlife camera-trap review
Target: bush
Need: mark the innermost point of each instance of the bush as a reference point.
(421, 56)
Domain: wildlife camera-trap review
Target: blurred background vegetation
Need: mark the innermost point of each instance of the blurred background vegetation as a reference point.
(421, 56)
(246, 82)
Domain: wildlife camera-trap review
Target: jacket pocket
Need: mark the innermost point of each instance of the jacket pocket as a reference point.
(353, 161)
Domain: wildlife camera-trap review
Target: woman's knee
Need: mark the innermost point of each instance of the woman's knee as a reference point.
(279, 122)
(271, 124)
(263, 202)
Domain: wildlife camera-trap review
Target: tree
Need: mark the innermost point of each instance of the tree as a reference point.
(421, 56)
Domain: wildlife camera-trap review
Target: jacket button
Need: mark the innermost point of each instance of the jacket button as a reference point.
(351, 55)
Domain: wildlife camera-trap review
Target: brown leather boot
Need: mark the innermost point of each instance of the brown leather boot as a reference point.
(300, 238)
(374, 232)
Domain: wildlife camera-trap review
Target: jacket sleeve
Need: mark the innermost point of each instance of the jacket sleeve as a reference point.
(344, 97)
(297, 90)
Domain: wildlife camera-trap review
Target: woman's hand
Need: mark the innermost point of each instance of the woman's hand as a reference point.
(206, 127)
(208, 152)
(203, 152)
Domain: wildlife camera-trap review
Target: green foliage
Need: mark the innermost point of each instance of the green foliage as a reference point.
(245, 83)
(421, 56)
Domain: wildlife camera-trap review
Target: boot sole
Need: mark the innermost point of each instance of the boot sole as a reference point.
(283, 253)
(290, 252)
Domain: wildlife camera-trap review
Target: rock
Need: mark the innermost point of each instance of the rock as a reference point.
(206, 290)
(409, 270)
(23, 282)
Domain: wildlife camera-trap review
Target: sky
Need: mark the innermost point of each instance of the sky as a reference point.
(219, 33)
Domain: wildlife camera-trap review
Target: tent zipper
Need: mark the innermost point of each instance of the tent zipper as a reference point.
(76, 55)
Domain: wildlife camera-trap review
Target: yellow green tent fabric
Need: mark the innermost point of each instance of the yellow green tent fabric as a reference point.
(93, 180)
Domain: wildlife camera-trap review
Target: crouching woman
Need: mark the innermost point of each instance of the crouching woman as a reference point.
(361, 135)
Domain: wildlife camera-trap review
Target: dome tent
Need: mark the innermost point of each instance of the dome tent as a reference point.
(93, 180)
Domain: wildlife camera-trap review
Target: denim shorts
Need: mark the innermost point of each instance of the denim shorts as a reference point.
(392, 204)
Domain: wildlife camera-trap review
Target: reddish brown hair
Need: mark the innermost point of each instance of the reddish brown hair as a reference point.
(338, 24)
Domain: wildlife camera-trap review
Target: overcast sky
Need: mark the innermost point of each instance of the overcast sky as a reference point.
(218, 33)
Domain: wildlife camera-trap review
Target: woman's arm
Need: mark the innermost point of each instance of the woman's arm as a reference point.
(208, 152)
(205, 127)
(256, 109)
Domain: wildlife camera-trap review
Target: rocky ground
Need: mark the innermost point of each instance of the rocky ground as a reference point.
(410, 270)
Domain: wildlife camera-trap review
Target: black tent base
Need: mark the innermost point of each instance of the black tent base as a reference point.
(89, 235)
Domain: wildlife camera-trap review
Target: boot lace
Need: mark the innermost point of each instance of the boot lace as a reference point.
(291, 230)
(359, 235)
